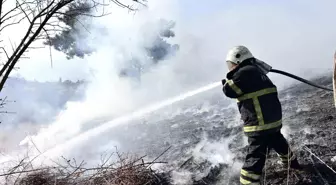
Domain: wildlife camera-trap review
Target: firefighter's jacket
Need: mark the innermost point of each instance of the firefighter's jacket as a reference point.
(257, 99)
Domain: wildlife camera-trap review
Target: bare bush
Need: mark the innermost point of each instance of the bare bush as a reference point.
(124, 170)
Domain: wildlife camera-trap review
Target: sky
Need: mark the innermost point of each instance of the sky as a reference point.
(296, 36)
(287, 33)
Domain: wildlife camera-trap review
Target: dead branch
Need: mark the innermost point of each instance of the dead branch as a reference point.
(1, 1)
(23, 46)
(3, 49)
(123, 5)
(40, 15)
(126, 170)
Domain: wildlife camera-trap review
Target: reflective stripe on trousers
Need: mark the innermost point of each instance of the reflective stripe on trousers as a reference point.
(249, 178)
(262, 127)
(243, 181)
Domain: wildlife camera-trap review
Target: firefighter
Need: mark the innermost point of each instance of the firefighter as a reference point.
(261, 112)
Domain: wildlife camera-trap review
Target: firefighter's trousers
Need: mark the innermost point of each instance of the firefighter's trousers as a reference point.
(256, 156)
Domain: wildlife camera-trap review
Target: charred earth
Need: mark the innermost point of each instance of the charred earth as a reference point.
(207, 146)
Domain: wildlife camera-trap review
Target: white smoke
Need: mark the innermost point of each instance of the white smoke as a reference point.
(214, 152)
(293, 36)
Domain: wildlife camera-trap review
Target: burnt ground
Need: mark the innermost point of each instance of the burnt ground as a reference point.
(305, 108)
(309, 114)
(317, 114)
(309, 124)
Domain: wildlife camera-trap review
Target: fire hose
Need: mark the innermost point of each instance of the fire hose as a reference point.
(300, 79)
(265, 68)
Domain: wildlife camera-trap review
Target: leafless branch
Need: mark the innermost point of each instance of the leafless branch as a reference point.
(24, 11)
(127, 169)
(3, 49)
(23, 46)
(13, 23)
(123, 5)
(1, 2)
(50, 54)
(143, 4)
(84, 14)
(40, 16)
(3, 102)
(11, 11)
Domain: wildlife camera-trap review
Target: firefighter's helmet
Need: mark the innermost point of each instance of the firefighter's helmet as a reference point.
(238, 54)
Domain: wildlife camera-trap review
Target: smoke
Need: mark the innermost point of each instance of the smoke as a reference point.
(30, 105)
(214, 152)
(294, 36)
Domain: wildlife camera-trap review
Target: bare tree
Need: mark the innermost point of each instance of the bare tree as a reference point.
(42, 18)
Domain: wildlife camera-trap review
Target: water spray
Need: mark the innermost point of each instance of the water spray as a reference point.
(124, 119)
(265, 68)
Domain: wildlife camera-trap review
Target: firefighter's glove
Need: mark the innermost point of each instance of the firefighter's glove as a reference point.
(223, 81)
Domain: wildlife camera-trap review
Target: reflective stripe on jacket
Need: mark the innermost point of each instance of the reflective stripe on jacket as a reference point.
(257, 99)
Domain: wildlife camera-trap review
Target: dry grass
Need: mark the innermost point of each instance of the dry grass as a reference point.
(124, 170)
